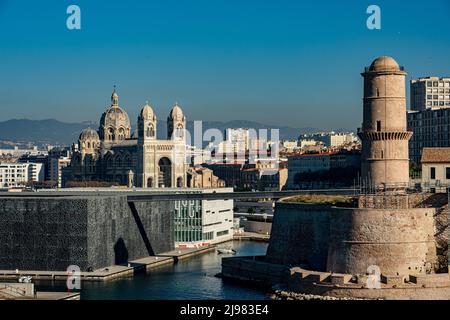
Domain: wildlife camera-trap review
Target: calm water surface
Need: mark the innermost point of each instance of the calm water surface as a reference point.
(193, 278)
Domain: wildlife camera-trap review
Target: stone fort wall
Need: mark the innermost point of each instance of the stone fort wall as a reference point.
(300, 235)
(349, 240)
(398, 241)
(51, 233)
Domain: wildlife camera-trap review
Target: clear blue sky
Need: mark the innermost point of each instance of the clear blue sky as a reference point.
(293, 63)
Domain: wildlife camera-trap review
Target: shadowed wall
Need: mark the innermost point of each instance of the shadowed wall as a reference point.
(88, 231)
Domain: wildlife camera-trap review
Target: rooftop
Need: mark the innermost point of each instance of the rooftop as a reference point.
(429, 78)
(313, 154)
(383, 64)
(436, 155)
(341, 201)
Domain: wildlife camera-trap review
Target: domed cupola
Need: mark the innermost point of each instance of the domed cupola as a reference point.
(384, 63)
(147, 123)
(114, 124)
(89, 141)
(176, 123)
(176, 113)
(88, 134)
(147, 112)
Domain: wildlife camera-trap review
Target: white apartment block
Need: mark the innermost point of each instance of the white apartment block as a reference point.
(196, 156)
(289, 145)
(430, 93)
(201, 223)
(18, 174)
(329, 139)
(217, 221)
(307, 143)
(336, 140)
(16, 152)
(239, 138)
(55, 169)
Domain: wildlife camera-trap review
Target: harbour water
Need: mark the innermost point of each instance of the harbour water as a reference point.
(193, 278)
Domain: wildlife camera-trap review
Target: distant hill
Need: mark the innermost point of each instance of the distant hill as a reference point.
(52, 131)
(42, 131)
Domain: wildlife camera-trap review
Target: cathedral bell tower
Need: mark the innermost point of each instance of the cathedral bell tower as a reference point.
(176, 124)
(146, 135)
(146, 124)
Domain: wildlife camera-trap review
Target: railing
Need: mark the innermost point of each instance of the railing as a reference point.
(435, 185)
(401, 68)
(368, 187)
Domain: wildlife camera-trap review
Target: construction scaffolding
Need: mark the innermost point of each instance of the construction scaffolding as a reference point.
(391, 196)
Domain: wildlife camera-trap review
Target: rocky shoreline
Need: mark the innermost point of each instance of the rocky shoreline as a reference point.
(281, 294)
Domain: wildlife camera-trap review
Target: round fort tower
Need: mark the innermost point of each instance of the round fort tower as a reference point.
(385, 159)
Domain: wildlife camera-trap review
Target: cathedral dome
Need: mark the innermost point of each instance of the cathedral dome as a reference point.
(147, 112)
(384, 63)
(115, 123)
(115, 117)
(176, 113)
(89, 134)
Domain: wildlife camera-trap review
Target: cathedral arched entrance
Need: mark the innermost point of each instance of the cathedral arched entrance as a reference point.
(165, 173)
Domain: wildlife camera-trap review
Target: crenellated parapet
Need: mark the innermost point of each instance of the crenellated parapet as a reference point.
(384, 135)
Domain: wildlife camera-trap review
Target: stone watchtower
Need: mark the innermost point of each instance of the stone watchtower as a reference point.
(385, 159)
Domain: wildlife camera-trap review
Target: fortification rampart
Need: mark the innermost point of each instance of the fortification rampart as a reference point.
(397, 241)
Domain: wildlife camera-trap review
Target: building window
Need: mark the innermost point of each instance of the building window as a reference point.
(432, 173)
(447, 173)
(378, 125)
(222, 233)
(208, 235)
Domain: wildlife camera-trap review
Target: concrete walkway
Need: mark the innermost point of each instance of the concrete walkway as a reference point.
(112, 272)
(252, 236)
